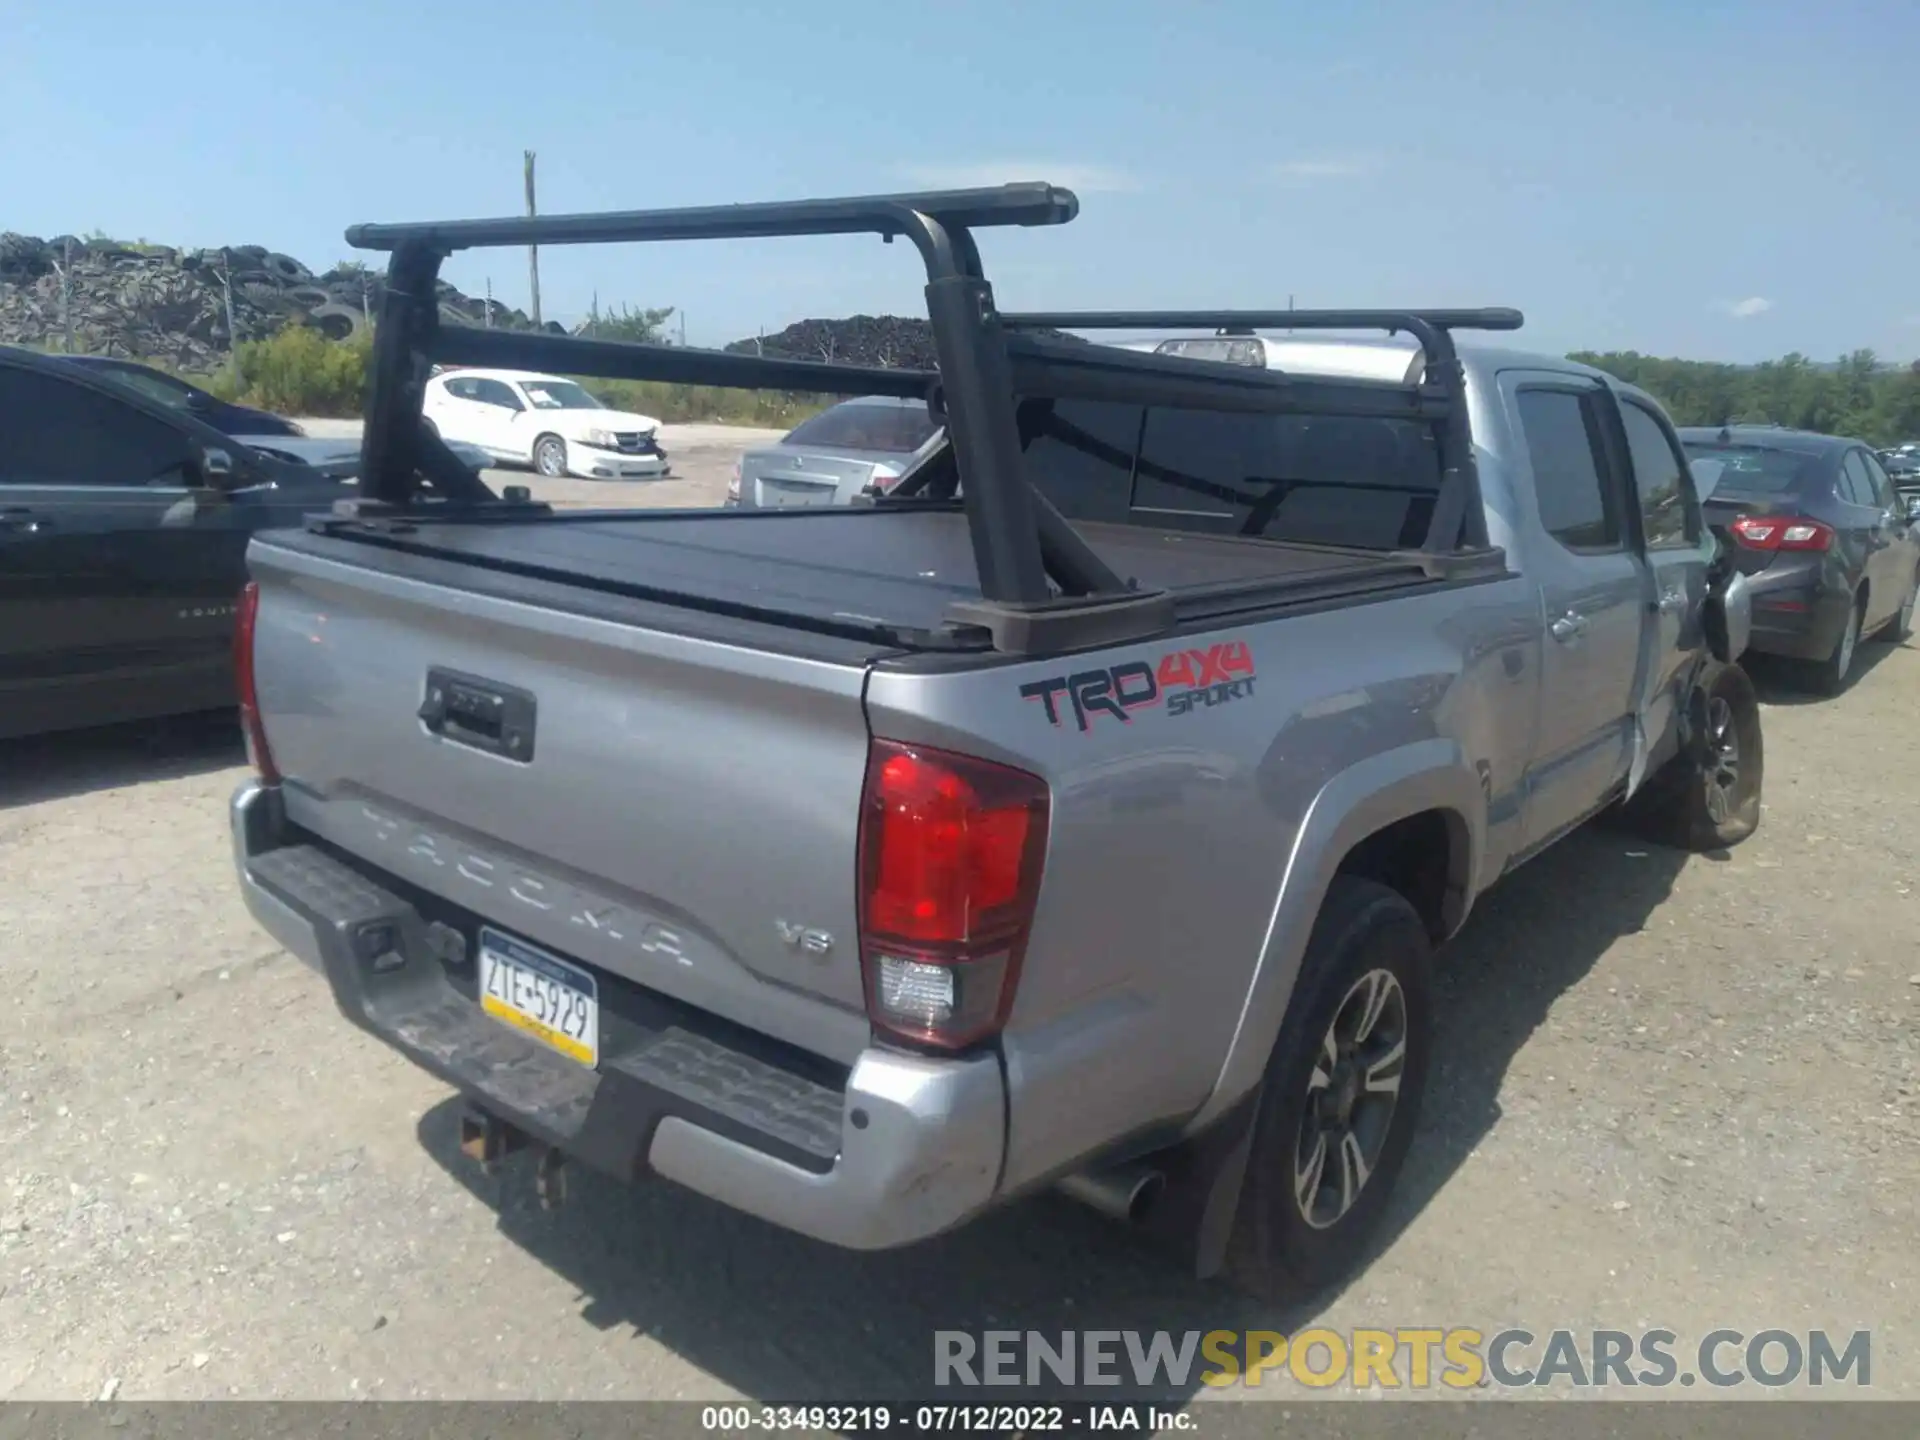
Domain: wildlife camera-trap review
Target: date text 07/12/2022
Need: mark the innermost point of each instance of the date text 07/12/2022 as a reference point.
(946, 1419)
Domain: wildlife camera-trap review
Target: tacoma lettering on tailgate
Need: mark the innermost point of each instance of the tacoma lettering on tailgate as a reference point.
(1182, 680)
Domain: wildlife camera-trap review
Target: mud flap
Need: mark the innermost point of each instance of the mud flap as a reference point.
(1205, 1175)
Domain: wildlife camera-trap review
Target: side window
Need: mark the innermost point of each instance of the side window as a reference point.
(1577, 506)
(464, 389)
(1079, 454)
(77, 436)
(1883, 494)
(1666, 513)
(1856, 486)
(498, 392)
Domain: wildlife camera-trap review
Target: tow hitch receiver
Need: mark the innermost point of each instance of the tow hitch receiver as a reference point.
(488, 1139)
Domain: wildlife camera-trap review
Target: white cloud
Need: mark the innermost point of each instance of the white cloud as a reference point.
(1084, 179)
(1748, 308)
(1326, 167)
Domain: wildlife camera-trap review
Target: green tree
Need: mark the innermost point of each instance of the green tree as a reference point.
(1857, 395)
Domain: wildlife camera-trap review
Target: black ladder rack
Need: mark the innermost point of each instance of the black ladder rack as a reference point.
(1034, 570)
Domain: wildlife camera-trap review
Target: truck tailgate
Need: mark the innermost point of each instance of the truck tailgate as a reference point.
(679, 810)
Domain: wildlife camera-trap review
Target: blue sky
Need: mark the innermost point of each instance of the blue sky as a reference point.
(1724, 179)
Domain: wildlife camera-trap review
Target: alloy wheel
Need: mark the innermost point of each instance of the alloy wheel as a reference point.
(1351, 1098)
(1722, 765)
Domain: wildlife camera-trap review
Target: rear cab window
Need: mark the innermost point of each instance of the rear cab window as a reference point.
(1357, 483)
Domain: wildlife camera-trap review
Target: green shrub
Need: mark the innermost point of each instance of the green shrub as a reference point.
(299, 371)
(711, 404)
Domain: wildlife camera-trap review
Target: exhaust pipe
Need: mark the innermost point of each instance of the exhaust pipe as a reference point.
(1123, 1193)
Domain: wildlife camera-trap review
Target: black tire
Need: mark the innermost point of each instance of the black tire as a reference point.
(1708, 796)
(1900, 628)
(1832, 675)
(285, 268)
(1277, 1252)
(336, 322)
(550, 456)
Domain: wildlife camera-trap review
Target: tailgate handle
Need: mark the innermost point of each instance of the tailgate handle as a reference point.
(480, 714)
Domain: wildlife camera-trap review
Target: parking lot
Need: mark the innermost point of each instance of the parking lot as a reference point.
(1674, 1091)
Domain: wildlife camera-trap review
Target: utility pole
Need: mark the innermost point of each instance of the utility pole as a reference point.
(489, 302)
(533, 251)
(683, 329)
(233, 329)
(66, 295)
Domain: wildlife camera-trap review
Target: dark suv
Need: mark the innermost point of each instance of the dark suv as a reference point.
(1824, 540)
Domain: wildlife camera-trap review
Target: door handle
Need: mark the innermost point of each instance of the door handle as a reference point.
(1568, 628)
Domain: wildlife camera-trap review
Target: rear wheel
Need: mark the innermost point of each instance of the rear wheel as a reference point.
(1708, 796)
(1830, 676)
(550, 456)
(1341, 1096)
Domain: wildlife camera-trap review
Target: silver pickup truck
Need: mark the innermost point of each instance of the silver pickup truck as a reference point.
(1086, 811)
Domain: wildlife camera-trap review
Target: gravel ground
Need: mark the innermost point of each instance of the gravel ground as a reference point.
(1671, 1091)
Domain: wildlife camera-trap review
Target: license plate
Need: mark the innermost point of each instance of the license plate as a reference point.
(787, 493)
(541, 995)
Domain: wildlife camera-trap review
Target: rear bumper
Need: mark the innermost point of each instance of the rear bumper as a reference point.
(900, 1148)
(1796, 614)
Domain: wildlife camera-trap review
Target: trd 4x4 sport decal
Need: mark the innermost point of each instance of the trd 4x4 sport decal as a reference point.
(1182, 680)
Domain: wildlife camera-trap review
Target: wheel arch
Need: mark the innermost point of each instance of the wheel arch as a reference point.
(1381, 819)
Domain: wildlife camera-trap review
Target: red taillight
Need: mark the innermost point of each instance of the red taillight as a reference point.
(950, 854)
(1781, 532)
(250, 725)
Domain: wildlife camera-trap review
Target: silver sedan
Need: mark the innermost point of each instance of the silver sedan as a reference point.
(831, 458)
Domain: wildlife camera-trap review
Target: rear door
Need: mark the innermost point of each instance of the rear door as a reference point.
(116, 599)
(1904, 552)
(1890, 562)
(1593, 595)
(1672, 539)
(1869, 535)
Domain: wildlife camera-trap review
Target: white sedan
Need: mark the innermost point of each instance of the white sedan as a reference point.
(550, 423)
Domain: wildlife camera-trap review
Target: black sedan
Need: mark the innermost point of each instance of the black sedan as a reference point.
(1816, 525)
(123, 533)
(227, 418)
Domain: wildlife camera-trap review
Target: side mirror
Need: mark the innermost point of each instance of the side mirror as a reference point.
(1727, 617)
(1913, 507)
(215, 469)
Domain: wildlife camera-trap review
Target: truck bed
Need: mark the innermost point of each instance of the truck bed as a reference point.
(896, 569)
